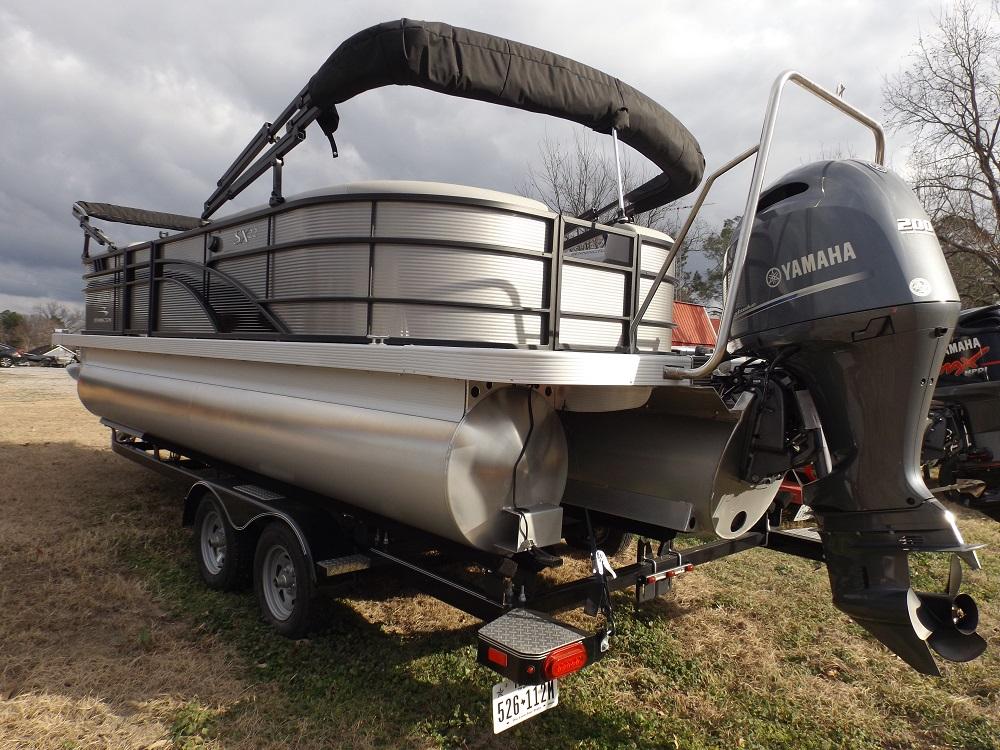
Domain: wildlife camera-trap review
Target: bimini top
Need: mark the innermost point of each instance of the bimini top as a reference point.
(474, 65)
(461, 63)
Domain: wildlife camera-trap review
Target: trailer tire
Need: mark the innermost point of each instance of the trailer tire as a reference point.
(282, 581)
(222, 552)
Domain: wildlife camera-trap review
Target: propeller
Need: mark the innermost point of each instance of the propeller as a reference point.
(952, 619)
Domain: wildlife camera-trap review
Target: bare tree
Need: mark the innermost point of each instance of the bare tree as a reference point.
(949, 99)
(60, 316)
(576, 178)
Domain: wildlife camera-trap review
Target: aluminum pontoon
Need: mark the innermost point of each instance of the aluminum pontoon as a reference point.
(352, 375)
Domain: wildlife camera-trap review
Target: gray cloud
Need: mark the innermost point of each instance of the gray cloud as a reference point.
(146, 104)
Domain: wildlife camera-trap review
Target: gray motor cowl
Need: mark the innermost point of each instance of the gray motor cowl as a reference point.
(833, 238)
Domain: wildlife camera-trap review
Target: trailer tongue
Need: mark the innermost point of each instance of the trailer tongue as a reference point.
(410, 376)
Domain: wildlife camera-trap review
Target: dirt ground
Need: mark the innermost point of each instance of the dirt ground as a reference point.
(76, 667)
(108, 640)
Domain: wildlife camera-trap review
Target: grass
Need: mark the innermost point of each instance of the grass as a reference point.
(109, 639)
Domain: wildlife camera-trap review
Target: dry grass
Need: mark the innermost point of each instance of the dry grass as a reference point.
(108, 640)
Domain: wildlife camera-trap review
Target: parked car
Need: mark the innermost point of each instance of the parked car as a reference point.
(9, 356)
(48, 355)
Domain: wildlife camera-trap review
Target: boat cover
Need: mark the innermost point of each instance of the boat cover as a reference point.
(139, 217)
(474, 65)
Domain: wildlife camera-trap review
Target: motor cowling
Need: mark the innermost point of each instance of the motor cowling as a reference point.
(846, 287)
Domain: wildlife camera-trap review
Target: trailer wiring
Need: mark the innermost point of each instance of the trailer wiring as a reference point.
(605, 603)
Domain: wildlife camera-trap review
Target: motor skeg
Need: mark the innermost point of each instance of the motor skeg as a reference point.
(846, 287)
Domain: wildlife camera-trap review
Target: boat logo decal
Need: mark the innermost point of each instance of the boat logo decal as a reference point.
(912, 226)
(970, 365)
(920, 287)
(810, 263)
(246, 234)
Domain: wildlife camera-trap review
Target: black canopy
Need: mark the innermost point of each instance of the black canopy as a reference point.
(139, 217)
(473, 65)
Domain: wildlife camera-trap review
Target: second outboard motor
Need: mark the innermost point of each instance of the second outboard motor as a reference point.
(846, 289)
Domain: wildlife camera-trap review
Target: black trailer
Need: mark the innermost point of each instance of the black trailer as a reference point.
(290, 542)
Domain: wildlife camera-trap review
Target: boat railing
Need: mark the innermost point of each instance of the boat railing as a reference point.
(393, 268)
(762, 151)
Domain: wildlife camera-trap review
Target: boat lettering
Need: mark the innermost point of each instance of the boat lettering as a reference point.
(245, 235)
(810, 263)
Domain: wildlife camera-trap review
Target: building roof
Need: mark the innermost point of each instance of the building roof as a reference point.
(694, 328)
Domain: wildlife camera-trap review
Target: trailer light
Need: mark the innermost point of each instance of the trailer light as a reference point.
(671, 574)
(565, 660)
(689, 567)
(650, 580)
(530, 669)
(496, 656)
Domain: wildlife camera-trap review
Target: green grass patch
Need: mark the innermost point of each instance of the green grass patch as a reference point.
(790, 673)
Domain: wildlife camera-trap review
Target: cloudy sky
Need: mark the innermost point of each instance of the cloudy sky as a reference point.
(145, 104)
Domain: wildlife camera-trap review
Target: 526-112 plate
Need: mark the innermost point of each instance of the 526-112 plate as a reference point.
(513, 703)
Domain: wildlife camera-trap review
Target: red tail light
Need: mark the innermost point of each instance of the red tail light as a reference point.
(565, 660)
(496, 656)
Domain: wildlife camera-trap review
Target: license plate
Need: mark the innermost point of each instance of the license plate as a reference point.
(513, 703)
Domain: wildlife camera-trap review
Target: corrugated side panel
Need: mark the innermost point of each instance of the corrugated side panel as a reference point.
(653, 339)
(178, 313)
(250, 271)
(325, 269)
(324, 220)
(592, 291)
(101, 308)
(451, 275)
(652, 256)
(459, 224)
(250, 235)
(455, 324)
(602, 334)
(139, 303)
(323, 318)
(192, 249)
(660, 309)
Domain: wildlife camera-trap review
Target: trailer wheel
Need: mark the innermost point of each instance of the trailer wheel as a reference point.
(612, 541)
(282, 581)
(221, 551)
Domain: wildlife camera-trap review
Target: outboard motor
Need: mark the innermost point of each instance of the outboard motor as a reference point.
(846, 290)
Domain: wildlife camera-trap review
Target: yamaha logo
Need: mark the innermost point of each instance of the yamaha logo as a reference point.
(807, 264)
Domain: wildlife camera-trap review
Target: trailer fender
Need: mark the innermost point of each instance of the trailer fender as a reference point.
(247, 514)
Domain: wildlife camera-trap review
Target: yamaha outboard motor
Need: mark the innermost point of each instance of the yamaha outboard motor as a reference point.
(846, 291)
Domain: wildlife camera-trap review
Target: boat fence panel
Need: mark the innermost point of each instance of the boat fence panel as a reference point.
(652, 257)
(320, 270)
(578, 333)
(250, 235)
(429, 323)
(458, 275)
(178, 311)
(190, 249)
(593, 291)
(251, 271)
(347, 219)
(396, 266)
(102, 310)
(324, 318)
(463, 224)
(660, 310)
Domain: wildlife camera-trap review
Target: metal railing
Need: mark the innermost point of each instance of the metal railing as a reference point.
(762, 150)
